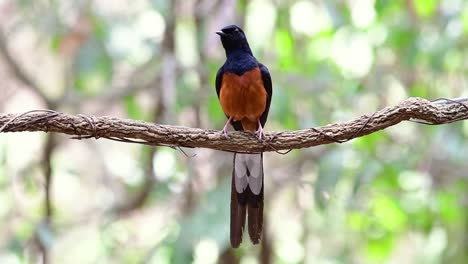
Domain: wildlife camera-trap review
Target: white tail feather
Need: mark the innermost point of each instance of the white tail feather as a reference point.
(248, 169)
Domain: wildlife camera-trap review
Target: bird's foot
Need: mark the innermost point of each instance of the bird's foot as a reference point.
(259, 133)
(225, 128)
(225, 132)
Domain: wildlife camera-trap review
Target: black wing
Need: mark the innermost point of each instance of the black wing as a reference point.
(219, 79)
(268, 87)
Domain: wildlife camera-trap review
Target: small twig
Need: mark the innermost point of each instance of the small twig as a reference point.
(185, 153)
(449, 101)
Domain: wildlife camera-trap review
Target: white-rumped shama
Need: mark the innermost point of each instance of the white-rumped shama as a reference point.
(244, 90)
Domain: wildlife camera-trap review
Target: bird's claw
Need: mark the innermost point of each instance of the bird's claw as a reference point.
(259, 132)
(225, 132)
(225, 128)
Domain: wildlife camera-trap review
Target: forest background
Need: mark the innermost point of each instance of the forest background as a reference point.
(395, 196)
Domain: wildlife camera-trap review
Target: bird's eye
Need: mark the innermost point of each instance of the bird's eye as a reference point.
(237, 30)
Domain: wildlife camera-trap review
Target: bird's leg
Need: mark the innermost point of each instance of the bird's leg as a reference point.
(259, 131)
(225, 129)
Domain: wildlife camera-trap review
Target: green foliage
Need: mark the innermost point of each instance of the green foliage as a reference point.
(134, 110)
(426, 8)
(93, 68)
(285, 49)
(397, 195)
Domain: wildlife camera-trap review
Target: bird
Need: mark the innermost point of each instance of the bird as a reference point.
(244, 90)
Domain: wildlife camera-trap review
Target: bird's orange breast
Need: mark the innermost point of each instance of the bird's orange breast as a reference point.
(243, 97)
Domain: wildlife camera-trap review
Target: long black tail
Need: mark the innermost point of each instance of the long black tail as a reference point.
(247, 197)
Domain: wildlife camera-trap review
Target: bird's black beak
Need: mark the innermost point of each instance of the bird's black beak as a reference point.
(221, 33)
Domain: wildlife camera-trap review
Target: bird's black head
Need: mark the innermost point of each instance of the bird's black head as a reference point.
(233, 39)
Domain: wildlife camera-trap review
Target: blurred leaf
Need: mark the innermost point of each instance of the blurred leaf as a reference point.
(134, 110)
(425, 8)
(464, 16)
(385, 6)
(357, 221)
(388, 213)
(285, 49)
(370, 142)
(281, 108)
(163, 255)
(378, 249)
(93, 69)
(453, 60)
(55, 42)
(404, 40)
(387, 178)
(423, 219)
(418, 90)
(215, 111)
(448, 207)
(100, 28)
(24, 231)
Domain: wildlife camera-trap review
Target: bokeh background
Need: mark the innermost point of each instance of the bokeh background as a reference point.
(396, 196)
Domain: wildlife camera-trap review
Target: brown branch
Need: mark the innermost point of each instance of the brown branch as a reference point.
(47, 166)
(44, 229)
(81, 126)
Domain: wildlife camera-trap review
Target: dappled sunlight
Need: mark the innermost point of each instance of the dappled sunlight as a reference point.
(206, 251)
(309, 18)
(394, 196)
(260, 30)
(352, 52)
(362, 12)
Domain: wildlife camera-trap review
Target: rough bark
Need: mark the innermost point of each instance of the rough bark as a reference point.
(438, 112)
